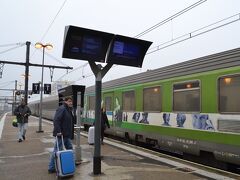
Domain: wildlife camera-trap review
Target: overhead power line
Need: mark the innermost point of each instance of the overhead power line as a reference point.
(12, 44)
(50, 25)
(79, 67)
(5, 84)
(18, 46)
(56, 59)
(53, 20)
(170, 18)
(196, 33)
(51, 56)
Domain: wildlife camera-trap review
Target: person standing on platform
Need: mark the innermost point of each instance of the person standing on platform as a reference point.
(63, 126)
(104, 123)
(22, 112)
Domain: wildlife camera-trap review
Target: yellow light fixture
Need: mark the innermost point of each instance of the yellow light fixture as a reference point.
(189, 85)
(227, 80)
(48, 46)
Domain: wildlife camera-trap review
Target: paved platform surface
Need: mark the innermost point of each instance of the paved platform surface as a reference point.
(29, 159)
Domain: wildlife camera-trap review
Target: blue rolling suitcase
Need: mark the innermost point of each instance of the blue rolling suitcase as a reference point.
(64, 160)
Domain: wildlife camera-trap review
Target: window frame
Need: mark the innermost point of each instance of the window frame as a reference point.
(160, 89)
(111, 106)
(130, 90)
(179, 90)
(89, 103)
(218, 92)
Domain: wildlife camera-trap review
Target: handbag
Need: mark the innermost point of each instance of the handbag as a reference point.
(14, 122)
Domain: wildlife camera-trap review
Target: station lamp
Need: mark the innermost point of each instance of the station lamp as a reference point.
(48, 46)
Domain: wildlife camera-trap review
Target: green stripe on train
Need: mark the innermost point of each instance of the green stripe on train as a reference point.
(210, 136)
(87, 120)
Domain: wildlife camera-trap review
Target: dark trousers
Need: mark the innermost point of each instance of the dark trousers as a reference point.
(102, 133)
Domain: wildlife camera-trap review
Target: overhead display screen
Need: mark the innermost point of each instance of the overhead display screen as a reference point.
(127, 51)
(91, 45)
(85, 44)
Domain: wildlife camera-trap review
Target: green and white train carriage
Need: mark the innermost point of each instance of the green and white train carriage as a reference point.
(190, 107)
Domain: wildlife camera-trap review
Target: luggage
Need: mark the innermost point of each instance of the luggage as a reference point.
(91, 135)
(14, 122)
(64, 161)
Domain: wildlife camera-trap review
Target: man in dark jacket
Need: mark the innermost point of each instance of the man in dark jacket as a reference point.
(22, 112)
(104, 123)
(63, 123)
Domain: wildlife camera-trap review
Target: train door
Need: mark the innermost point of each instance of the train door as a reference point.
(107, 102)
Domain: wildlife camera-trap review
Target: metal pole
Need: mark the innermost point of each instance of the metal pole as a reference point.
(99, 74)
(78, 147)
(41, 96)
(13, 104)
(27, 72)
(97, 137)
(14, 97)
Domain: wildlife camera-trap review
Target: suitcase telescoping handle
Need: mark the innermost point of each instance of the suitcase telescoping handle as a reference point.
(62, 143)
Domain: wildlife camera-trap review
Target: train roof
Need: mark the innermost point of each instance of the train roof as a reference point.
(216, 61)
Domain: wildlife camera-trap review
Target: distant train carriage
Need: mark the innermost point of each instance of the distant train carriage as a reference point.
(49, 106)
(51, 103)
(191, 107)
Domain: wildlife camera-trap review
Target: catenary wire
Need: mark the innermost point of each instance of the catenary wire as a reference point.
(4, 84)
(155, 26)
(12, 44)
(170, 18)
(192, 34)
(51, 56)
(49, 27)
(10, 49)
(53, 20)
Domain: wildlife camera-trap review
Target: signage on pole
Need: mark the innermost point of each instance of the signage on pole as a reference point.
(47, 88)
(35, 88)
(96, 46)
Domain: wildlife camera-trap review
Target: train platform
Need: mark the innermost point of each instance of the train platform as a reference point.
(28, 160)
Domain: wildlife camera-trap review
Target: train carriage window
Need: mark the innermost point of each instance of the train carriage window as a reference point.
(229, 94)
(186, 97)
(108, 103)
(91, 102)
(129, 101)
(152, 99)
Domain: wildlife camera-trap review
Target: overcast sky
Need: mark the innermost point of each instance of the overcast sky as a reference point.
(30, 20)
